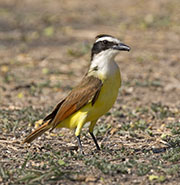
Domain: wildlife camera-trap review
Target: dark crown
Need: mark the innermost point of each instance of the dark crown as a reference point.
(103, 35)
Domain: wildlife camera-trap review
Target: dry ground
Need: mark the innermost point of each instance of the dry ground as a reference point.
(45, 51)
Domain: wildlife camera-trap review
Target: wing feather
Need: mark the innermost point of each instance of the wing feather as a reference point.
(87, 91)
(54, 112)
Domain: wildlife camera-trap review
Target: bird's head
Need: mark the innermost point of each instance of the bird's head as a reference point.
(107, 46)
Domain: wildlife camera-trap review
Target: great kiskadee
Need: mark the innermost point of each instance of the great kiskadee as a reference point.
(94, 95)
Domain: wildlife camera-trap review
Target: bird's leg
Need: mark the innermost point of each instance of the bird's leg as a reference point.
(91, 127)
(78, 131)
(95, 141)
(79, 144)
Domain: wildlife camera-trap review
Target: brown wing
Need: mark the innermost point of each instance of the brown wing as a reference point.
(54, 112)
(87, 90)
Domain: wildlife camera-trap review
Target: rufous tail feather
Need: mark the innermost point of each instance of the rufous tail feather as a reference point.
(38, 132)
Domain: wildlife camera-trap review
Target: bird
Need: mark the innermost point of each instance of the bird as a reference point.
(92, 97)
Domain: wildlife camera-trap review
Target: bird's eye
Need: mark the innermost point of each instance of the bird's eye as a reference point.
(104, 41)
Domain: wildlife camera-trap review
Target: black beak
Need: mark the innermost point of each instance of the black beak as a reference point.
(121, 47)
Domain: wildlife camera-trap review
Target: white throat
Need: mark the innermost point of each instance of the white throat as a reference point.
(104, 63)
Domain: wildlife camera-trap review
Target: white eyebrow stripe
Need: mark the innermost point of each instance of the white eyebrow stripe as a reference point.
(110, 39)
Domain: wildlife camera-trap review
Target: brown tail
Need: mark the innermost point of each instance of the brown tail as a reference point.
(38, 132)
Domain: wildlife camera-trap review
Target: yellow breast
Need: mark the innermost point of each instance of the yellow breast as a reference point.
(107, 97)
(104, 102)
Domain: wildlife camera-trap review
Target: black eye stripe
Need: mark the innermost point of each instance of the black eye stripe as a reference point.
(101, 46)
(105, 41)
